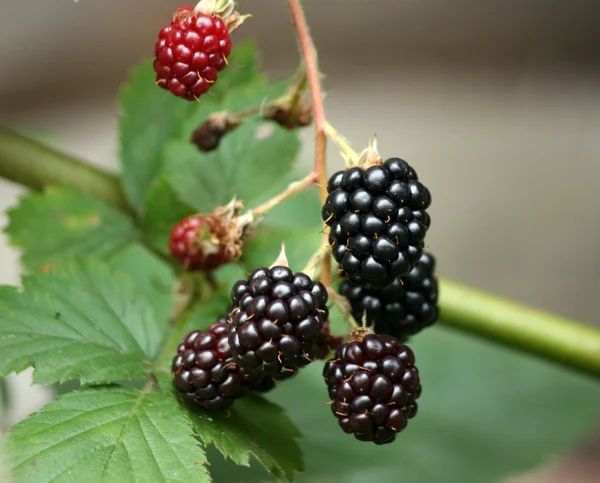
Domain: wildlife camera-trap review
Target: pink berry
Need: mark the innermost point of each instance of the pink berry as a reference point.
(190, 51)
(192, 244)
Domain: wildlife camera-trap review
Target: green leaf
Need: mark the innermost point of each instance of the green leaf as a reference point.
(243, 69)
(78, 322)
(245, 163)
(59, 225)
(153, 277)
(150, 117)
(255, 427)
(485, 414)
(163, 210)
(252, 161)
(294, 222)
(108, 435)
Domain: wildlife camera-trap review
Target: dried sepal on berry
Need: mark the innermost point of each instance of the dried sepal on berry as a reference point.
(206, 241)
(290, 117)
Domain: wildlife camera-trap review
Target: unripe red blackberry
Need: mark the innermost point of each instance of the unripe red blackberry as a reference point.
(190, 51)
(192, 244)
(378, 221)
(401, 309)
(204, 372)
(374, 386)
(276, 320)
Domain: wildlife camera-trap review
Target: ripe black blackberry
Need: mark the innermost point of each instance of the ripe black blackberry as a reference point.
(205, 373)
(401, 309)
(276, 321)
(374, 386)
(378, 221)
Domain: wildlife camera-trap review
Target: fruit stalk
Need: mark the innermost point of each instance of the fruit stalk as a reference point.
(545, 335)
(291, 190)
(309, 56)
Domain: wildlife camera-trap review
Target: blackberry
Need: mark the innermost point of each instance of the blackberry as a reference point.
(374, 386)
(276, 321)
(401, 309)
(378, 221)
(205, 373)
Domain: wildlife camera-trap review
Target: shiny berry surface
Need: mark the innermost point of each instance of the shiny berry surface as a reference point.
(204, 372)
(374, 386)
(276, 321)
(401, 309)
(185, 244)
(189, 53)
(378, 221)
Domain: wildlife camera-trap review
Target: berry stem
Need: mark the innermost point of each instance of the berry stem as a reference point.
(350, 156)
(343, 305)
(291, 190)
(309, 56)
(315, 261)
(549, 336)
(37, 166)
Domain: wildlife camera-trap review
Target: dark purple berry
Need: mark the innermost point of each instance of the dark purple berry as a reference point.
(374, 386)
(276, 321)
(205, 373)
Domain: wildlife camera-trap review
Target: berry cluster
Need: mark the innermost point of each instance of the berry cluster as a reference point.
(374, 385)
(377, 214)
(190, 51)
(378, 221)
(275, 325)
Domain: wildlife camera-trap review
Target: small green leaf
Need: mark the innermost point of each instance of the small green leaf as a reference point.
(255, 427)
(162, 211)
(59, 225)
(111, 435)
(151, 116)
(81, 321)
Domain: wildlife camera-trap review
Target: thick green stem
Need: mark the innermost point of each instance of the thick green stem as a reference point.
(551, 337)
(36, 166)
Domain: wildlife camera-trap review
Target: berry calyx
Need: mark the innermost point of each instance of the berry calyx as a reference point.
(190, 51)
(378, 220)
(374, 386)
(276, 320)
(204, 372)
(208, 240)
(194, 244)
(401, 309)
